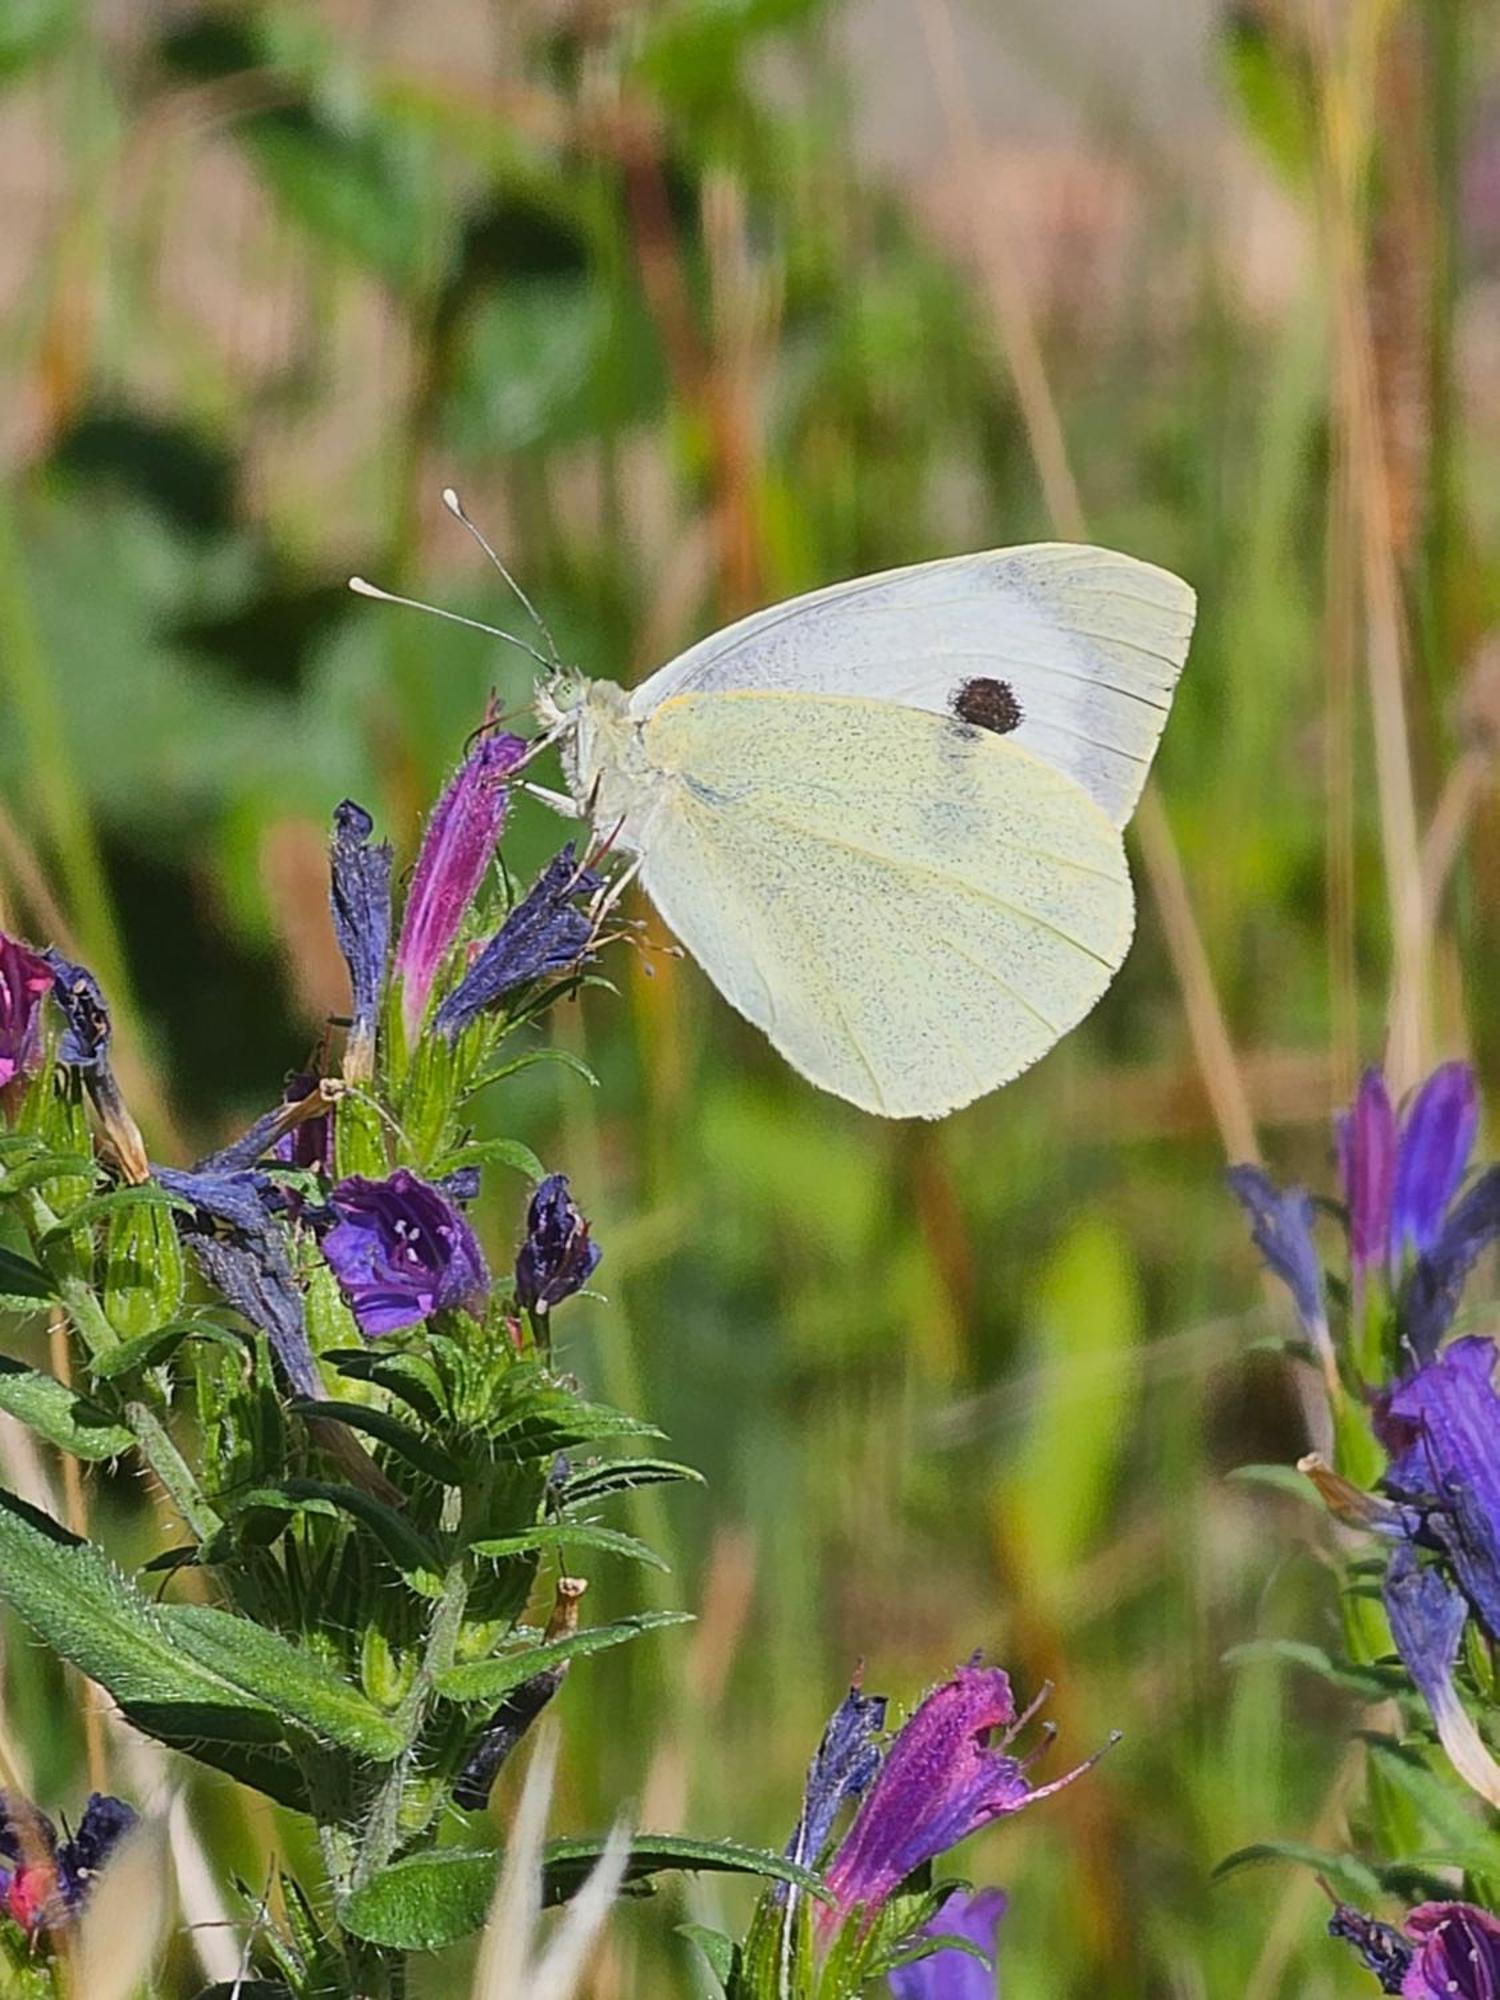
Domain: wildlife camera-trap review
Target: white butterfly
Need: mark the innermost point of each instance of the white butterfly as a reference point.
(886, 817)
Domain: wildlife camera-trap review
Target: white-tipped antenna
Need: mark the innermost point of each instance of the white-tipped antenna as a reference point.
(364, 589)
(455, 507)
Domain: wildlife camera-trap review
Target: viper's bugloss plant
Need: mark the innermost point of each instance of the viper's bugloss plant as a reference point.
(382, 1481)
(1411, 1471)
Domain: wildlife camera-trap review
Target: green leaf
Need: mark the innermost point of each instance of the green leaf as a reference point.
(543, 1421)
(925, 1947)
(37, 1171)
(100, 1206)
(148, 1350)
(59, 1414)
(431, 1900)
(623, 1475)
(721, 1952)
(75, 1599)
(417, 1450)
(488, 1680)
(1280, 1478)
(291, 1682)
(492, 1152)
(408, 1549)
(575, 1536)
(1370, 1683)
(565, 1057)
(143, 1270)
(409, 1377)
(23, 1285)
(1453, 1815)
(1348, 1874)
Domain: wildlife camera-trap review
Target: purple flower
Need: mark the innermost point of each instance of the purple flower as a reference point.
(360, 898)
(973, 1915)
(1400, 1178)
(941, 1781)
(1281, 1227)
(85, 1047)
(25, 982)
(1427, 1620)
(461, 835)
(242, 1252)
(1457, 1953)
(1449, 1951)
(1436, 1281)
(44, 1882)
(401, 1251)
(558, 1256)
(1440, 1426)
(1367, 1167)
(544, 933)
(846, 1759)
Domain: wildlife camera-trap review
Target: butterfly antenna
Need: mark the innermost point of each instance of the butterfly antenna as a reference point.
(364, 589)
(455, 507)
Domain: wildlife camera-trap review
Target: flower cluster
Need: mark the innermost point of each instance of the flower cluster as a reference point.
(946, 1773)
(1414, 1224)
(44, 1881)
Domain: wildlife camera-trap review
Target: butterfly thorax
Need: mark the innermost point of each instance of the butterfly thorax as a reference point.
(603, 757)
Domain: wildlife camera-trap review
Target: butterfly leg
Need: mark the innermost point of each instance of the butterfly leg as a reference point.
(560, 802)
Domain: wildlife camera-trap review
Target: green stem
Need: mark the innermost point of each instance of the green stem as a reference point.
(383, 1828)
(60, 1262)
(154, 1442)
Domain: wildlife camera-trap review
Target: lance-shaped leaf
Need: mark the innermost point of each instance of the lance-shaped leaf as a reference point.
(569, 1535)
(431, 1900)
(418, 1451)
(488, 1680)
(58, 1414)
(623, 1475)
(24, 1286)
(182, 1671)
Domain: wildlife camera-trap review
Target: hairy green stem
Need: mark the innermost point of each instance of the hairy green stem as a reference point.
(383, 1828)
(154, 1442)
(60, 1262)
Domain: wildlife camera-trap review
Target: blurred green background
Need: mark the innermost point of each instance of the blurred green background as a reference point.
(699, 303)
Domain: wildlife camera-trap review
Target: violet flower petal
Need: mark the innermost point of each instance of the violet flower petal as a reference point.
(1436, 1139)
(845, 1761)
(1436, 1281)
(85, 1047)
(25, 981)
(1440, 1426)
(953, 1975)
(1367, 1168)
(104, 1825)
(558, 1256)
(1281, 1227)
(461, 834)
(360, 898)
(1427, 1620)
(1457, 1953)
(1385, 1952)
(939, 1783)
(401, 1251)
(242, 1252)
(543, 934)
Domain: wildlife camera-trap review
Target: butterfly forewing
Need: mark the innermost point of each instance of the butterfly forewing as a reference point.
(1087, 644)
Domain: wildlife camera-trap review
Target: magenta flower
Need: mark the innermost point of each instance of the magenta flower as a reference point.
(25, 982)
(461, 835)
(1443, 1951)
(400, 1251)
(955, 1975)
(942, 1780)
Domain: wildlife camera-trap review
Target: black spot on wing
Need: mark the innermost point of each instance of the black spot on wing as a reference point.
(988, 705)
